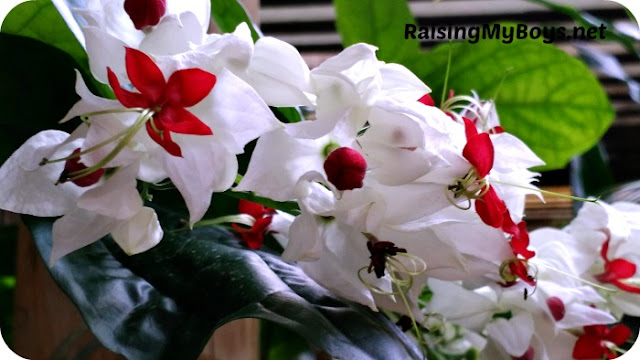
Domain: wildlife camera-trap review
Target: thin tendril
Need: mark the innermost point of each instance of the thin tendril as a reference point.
(604, 288)
(446, 76)
(571, 197)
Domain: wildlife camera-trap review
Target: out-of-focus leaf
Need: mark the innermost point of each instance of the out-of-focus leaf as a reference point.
(379, 23)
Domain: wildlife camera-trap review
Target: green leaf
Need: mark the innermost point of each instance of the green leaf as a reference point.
(41, 21)
(38, 88)
(379, 23)
(227, 14)
(548, 99)
(165, 303)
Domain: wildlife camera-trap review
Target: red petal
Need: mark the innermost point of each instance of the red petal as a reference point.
(520, 239)
(256, 210)
(145, 13)
(145, 75)
(188, 87)
(588, 347)
(605, 249)
(528, 355)
(181, 121)
(470, 129)
(619, 334)
(624, 287)
(496, 130)
(597, 330)
(491, 208)
(616, 270)
(479, 152)
(519, 269)
(164, 140)
(427, 100)
(127, 98)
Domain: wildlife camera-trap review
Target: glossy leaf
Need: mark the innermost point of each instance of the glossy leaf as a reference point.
(165, 303)
(545, 97)
(379, 23)
(40, 20)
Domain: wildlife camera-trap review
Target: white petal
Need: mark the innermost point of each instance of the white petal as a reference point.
(278, 161)
(78, 229)
(401, 84)
(278, 73)
(117, 197)
(235, 113)
(104, 51)
(305, 239)
(470, 310)
(206, 166)
(201, 8)
(173, 35)
(514, 335)
(140, 233)
(28, 188)
(511, 152)
(88, 102)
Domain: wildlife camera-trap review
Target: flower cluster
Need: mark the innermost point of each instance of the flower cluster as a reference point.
(403, 205)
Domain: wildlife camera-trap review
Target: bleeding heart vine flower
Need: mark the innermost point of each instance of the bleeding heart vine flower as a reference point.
(165, 100)
(600, 342)
(617, 270)
(254, 237)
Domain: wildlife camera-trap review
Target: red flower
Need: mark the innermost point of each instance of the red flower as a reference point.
(145, 13)
(254, 237)
(616, 270)
(167, 99)
(593, 343)
(519, 236)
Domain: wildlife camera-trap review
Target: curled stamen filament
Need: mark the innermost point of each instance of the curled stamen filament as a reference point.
(577, 278)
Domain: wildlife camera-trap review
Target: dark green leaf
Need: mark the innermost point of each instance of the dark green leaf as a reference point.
(41, 21)
(590, 173)
(165, 302)
(548, 99)
(38, 88)
(227, 14)
(379, 23)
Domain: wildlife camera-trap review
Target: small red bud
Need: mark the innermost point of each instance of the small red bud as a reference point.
(145, 13)
(74, 165)
(556, 306)
(528, 355)
(345, 168)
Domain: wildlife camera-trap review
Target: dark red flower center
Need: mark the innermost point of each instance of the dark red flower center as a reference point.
(379, 251)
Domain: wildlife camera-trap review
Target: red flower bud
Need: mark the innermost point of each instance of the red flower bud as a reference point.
(145, 13)
(345, 168)
(556, 306)
(74, 165)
